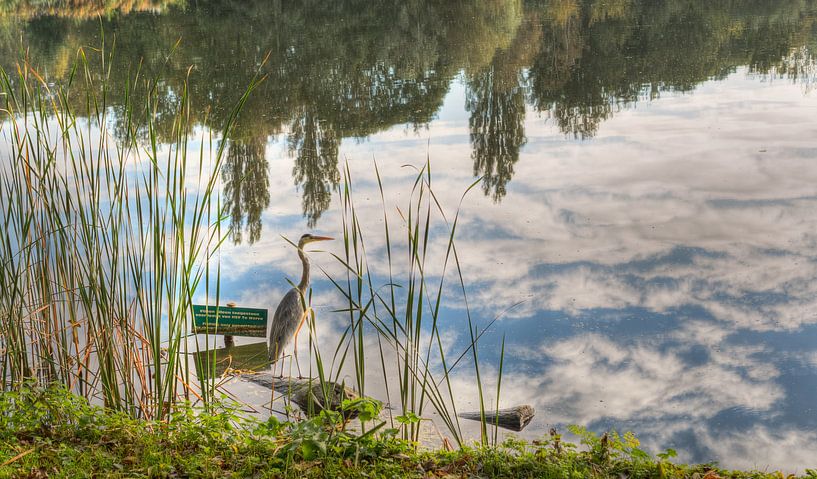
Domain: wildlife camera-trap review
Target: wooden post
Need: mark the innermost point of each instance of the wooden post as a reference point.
(229, 342)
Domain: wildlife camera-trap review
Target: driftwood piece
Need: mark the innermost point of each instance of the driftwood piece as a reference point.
(307, 393)
(515, 418)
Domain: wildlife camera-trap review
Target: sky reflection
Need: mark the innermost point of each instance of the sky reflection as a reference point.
(664, 270)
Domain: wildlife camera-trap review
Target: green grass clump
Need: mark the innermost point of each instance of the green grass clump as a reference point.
(52, 433)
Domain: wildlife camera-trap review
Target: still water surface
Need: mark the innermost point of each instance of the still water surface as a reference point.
(645, 227)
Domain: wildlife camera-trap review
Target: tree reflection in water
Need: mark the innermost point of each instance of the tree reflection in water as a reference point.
(246, 186)
(349, 69)
(314, 144)
(496, 100)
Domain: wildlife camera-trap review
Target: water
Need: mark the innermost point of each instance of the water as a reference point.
(645, 228)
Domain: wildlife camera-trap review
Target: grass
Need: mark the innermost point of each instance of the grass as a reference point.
(53, 433)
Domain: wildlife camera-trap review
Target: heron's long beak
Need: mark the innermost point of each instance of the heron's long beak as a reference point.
(321, 238)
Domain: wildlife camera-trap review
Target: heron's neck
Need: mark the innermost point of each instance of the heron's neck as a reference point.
(305, 274)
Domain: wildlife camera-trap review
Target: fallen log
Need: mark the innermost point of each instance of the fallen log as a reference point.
(307, 393)
(515, 418)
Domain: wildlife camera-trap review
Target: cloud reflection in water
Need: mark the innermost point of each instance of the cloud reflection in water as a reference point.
(665, 268)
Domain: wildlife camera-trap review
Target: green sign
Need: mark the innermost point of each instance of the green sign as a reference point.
(230, 321)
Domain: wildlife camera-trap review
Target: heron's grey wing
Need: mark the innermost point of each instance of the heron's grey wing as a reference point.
(285, 322)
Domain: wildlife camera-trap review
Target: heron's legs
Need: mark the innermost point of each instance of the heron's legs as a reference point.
(295, 342)
(300, 325)
(278, 359)
(297, 364)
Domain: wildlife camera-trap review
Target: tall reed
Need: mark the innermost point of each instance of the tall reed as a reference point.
(105, 237)
(403, 316)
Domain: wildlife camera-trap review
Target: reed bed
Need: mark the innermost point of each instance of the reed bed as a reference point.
(104, 237)
(107, 234)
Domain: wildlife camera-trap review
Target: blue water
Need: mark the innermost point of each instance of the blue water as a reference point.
(645, 229)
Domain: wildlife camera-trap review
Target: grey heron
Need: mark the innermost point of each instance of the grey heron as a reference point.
(289, 316)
